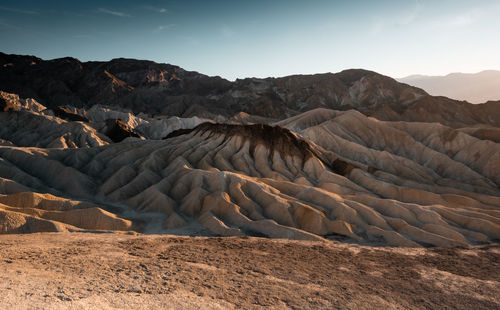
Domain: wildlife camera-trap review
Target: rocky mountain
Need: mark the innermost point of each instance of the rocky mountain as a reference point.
(473, 87)
(131, 145)
(152, 88)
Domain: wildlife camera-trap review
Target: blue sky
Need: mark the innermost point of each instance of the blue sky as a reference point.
(237, 39)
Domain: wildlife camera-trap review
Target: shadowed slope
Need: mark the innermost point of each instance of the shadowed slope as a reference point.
(117, 130)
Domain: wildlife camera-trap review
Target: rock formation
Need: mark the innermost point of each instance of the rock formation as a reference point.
(257, 179)
(354, 156)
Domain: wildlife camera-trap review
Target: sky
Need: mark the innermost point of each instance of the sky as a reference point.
(241, 38)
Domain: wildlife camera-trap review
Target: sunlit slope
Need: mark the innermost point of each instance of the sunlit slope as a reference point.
(349, 175)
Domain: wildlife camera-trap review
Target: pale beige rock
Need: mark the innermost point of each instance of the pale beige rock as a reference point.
(216, 226)
(406, 186)
(36, 208)
(174, 221)
(22, 104)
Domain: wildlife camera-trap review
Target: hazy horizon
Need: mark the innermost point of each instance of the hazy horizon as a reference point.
(260, 39)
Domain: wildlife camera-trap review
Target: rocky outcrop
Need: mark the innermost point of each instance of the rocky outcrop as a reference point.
(6, 106)
(117, 130)
(12, 102)
(65, 113)
(36, 130)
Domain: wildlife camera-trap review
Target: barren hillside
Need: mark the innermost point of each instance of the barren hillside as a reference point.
(380, 194)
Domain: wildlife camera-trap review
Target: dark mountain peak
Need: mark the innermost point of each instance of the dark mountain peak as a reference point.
(150, 87)
(350, 76)
(136, 64)
(65, 60)
(274, 138)
(12, 58)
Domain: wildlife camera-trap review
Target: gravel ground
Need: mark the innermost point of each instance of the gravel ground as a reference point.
(122, 271)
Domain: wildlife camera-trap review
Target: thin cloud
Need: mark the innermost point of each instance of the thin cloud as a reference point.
(14, 10)
(155, 9)
(83, 36)
(3, 24)
(165, 27)
(404, 19)
(460, 20)
(227, 31)
(476, 15)
(114, 13)
(189, 40)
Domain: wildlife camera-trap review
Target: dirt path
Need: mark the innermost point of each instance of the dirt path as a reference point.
(109, 271)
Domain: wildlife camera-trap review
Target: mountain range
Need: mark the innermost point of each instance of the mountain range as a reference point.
(472, 87)
(132, 145)
(147, 87)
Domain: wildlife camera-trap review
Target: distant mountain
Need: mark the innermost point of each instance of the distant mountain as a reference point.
(147, 87)
(472, 87)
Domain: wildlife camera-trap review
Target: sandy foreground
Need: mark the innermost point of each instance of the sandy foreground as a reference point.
(120, 271)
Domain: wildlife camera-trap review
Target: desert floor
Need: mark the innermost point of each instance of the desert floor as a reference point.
(121, 271)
